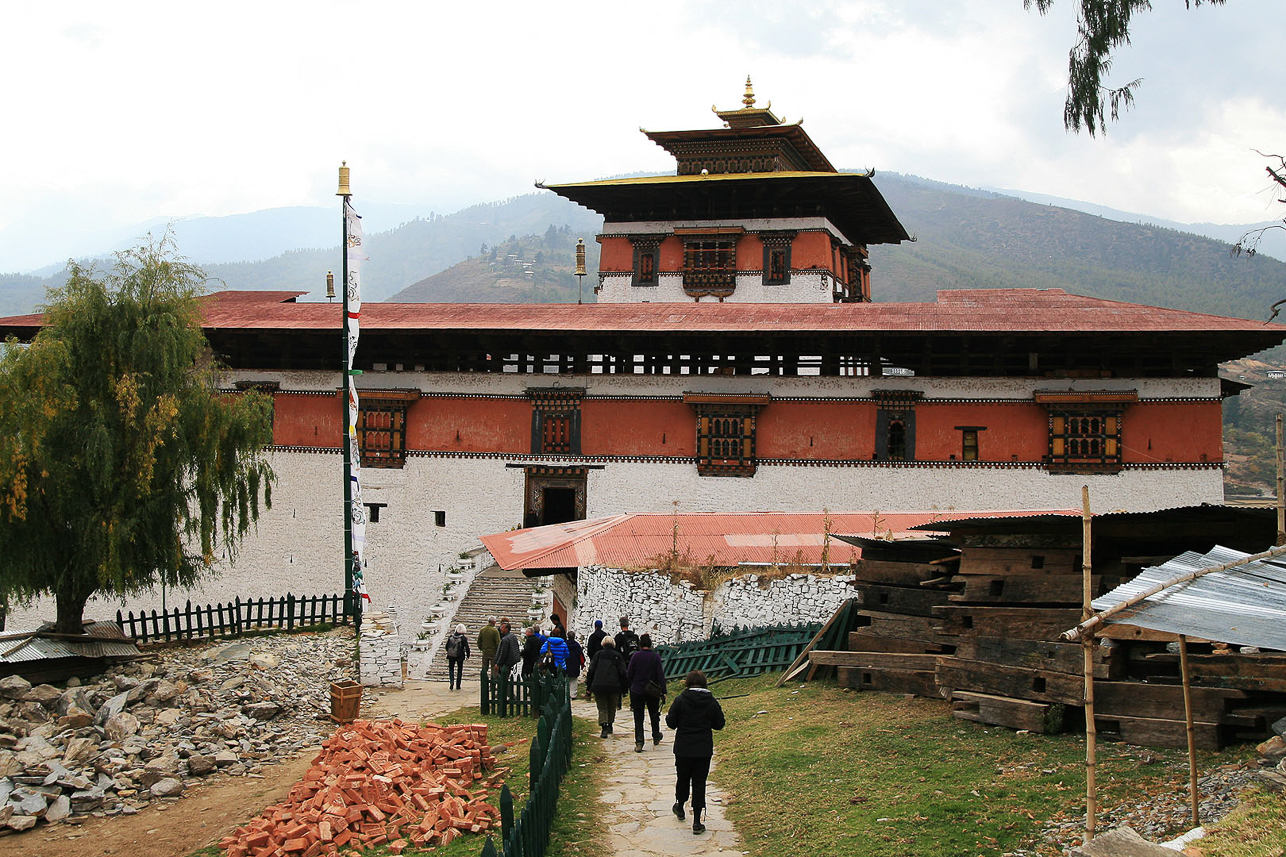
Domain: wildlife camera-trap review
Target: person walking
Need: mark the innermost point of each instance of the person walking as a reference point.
(693, 717)
(531, 646)
(488, 642)
(457, 651)
(595, 641)
(627, 642)
(606, 680)
(555, 650)
(646, 676)
(509, 652)
(575, 660)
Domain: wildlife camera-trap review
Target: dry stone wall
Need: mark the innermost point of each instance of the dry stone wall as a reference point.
(678, 612)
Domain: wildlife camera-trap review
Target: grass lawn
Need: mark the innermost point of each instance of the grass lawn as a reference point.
(814, 770)
(1256, 828)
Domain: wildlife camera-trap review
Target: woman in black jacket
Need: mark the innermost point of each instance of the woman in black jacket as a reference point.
(694, 716)
(606, 680)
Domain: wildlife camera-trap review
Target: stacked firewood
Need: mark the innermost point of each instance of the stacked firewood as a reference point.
(380, 783)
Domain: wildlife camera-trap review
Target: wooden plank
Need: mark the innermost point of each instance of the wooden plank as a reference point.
(1117, 631)
(1264, 672)
(874, 660)
(1019, 560)
(920, 683)
(1041, 654)
(859, 642)
(956, 675)
(1136, 699)
(892, 573)
(1160, 732)
(897, 599)
(922, 629)
(1024, 623)
(1028, 588)
(1043, 717)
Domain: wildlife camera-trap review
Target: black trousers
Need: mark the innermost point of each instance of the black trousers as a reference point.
(692, 772)
(455, 672)
(637, 703)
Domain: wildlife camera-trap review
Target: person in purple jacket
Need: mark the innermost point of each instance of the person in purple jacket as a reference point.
(645, 666)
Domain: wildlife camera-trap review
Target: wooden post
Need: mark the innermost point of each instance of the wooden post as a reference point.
(1087, 646)
(1187, 716)
(1281, 497)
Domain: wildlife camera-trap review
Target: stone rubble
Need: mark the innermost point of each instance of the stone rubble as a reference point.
(147, 730)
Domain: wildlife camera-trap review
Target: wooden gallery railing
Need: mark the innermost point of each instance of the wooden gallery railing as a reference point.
(551, 756)
(290, 612)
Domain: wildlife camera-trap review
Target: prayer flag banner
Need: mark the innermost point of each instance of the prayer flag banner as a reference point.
(352, 330)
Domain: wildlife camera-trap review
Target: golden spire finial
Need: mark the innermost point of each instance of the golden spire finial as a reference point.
(749, 99)
(343, 180)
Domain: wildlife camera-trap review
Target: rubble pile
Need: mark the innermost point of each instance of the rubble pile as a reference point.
(381, 783)
(1272, 758)
(146, 730)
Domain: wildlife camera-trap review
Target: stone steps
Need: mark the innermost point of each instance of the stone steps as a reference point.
(493, 593)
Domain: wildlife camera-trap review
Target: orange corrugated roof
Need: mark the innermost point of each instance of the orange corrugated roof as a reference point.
(713, 538)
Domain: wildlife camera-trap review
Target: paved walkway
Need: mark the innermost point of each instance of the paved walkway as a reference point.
(640, 786)
(640, 792)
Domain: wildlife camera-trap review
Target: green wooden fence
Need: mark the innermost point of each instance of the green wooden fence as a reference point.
(739, 652)
(503, 696)
(551, 756)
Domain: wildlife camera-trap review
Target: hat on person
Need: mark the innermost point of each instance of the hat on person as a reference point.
(598, 623)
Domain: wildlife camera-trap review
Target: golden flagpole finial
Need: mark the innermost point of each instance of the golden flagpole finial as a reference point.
(343, 180)
(749, 99)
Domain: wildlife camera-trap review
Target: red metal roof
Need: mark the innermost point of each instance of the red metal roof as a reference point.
(719, 539)
(975, 310)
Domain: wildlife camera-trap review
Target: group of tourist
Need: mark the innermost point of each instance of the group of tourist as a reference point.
(620, 665)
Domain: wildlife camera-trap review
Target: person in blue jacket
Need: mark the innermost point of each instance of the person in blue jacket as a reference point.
(555, 647)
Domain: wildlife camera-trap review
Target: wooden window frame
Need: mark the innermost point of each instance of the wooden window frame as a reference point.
(777, 257)
(968, 444)
(726, 432)
(709, 265)
(1085, 429)
(384, 445)
(555, 420)
(647, 260)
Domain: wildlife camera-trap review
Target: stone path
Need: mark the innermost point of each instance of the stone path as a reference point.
(640, 786)
(640, 792)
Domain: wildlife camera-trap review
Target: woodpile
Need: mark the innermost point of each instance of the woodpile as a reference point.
(381, 783)
(982, 629)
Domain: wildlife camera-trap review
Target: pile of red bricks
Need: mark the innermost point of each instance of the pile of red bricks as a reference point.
(380, 783)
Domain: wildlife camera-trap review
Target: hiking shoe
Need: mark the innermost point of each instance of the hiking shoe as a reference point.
(638, 746)
(677, 809)
(605, 732)
(656, 739)
(698, 828)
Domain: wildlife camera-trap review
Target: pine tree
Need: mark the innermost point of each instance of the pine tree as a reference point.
(122, 465)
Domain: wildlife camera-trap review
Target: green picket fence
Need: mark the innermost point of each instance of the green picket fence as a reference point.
(551, 756)
(503, 696)
(739, 652)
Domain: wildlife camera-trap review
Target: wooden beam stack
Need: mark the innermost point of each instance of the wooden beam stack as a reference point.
(380, 783)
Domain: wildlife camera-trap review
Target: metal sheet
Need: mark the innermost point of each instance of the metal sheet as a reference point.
(1244, 605)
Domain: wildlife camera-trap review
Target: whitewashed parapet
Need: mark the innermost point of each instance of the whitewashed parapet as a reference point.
(677, 612)
(379, 649)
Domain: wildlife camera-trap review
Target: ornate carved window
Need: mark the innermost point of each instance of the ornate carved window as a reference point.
(895, 424)
(710, 266)
(555, 420)
(647, 256)
(1085, 430)
(381, 426)
(726, 433)
(777, 257)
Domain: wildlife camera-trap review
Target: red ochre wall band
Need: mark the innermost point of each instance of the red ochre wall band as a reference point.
(809, 250)
(1153, 432)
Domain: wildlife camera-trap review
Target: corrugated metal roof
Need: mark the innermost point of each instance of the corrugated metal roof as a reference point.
(638, 540)
(1244, 605)
(101, 640)
(975, 310)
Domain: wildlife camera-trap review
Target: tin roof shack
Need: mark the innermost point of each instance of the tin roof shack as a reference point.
(42, 656)
(980, 624)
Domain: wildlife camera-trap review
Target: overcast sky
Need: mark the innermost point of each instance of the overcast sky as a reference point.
(126, 111)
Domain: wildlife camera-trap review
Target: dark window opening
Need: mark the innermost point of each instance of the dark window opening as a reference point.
(897, 440)
(1038, 562)
(559, 505)
(969, 445)
(646, 275)
(373, 512)
(1038, 684)
(440, 518)
(996, 587)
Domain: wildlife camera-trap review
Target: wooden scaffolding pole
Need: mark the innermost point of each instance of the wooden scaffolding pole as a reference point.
(1192, 732)
(1281, 498)
(1087, 647)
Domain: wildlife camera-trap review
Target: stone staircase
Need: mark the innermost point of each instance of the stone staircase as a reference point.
(493, 593)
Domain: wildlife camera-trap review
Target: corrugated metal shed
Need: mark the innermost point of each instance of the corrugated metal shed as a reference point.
(725, 540)
(1244, 605)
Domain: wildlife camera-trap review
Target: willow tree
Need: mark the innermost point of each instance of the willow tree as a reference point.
(122, 464)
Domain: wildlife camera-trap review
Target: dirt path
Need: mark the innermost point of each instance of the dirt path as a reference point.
(172, 829)
(208, 811)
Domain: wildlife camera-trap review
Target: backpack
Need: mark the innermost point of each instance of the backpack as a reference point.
(629, 645)
(454, 646)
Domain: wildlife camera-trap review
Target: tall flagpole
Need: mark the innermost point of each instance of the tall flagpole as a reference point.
(344, 193)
